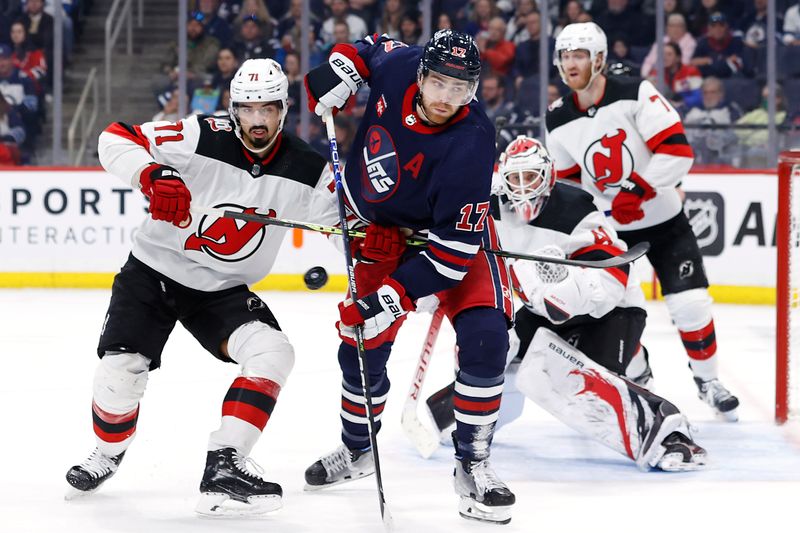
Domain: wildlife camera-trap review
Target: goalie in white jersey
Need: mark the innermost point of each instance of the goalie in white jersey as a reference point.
(196, 270)
(625, 144)
(579, 327)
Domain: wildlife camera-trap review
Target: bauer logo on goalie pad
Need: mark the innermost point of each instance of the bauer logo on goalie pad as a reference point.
(706, 214)
(565, 354)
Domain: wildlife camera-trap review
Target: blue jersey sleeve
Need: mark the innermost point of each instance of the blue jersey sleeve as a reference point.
(370, 53)
(460, 206)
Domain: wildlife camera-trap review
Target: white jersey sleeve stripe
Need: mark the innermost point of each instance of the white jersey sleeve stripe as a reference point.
(465, 248)
(444, 270)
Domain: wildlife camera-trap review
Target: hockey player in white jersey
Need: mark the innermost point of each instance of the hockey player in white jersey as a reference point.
(578, 328)
(625, 144)
(196, 270)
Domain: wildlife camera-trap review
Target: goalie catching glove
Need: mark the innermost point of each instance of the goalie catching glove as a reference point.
(376, 311)
(331, 84)
(168, 195)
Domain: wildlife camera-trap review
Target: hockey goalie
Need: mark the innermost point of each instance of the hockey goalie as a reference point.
(579, 329)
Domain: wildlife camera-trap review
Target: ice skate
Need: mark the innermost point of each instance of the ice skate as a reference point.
(719, 398)
(339, 466)
(681, 454)
(230, 488)
(87, 477)
(483, 496)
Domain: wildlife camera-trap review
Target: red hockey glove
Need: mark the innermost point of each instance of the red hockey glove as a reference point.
(382, 243)
(169, 197)
(376, 311)
(331, 84)
(627, 204)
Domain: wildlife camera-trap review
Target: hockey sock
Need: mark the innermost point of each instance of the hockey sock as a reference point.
(355, 432)
(701, 346)
(477, 404)
(245, 412)
(114, 432)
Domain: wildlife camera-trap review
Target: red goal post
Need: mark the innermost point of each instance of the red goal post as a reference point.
(787, 334)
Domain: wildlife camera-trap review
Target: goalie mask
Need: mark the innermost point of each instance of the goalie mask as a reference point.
(528, 176)
(258, 80)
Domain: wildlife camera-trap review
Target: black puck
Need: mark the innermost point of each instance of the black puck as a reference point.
(315, 278)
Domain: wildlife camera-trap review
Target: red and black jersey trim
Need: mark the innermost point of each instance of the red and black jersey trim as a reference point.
(617, 88)
(572, 174)
(604, 251)
(700, 344)
(113, 428)
(671, 141)
(251, 400)
(131, 133)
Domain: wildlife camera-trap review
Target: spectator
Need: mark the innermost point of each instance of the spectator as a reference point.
(760, 116)
(10, 10)
(39, 25)
(367, 10)
(684, 82)
(27, 58)
(201, 55)
(340, 12)
(295, 76)
(258, 9)
(712, 144)
(482, 13)
(290, 23)
(526, 56)
(719, 53)
(516, 30)
(493, 96)
(170, 110)
(791, 25)
(227, 64)
(569, 15)
(699, 19)
(12, 134)
(410, 29)
(206, 97)
(389, 23)
(444, 22)
(496, 51)
(754, 25)
(553, 93)
(621, 53)
(621, 19)
(215, 26)
(18, 91)
(251, 43)
(678, 34)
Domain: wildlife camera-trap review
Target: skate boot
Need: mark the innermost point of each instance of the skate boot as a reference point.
(87, 477)
(483, 496)
(230, 488)
(681, 454)
(339, 466)
(719, 398)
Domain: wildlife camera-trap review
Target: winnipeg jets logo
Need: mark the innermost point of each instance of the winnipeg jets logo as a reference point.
(381, 170)
(608, 160)
(227, 239)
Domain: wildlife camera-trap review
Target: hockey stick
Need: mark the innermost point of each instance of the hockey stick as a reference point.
(634, 253)
(386, 516)
(416, 432)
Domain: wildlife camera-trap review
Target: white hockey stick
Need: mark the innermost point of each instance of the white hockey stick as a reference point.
(423, 439)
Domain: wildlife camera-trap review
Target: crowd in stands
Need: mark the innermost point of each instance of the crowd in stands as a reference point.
(26, 55)
(715, 60)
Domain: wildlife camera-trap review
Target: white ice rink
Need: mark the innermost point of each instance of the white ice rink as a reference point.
(563, 482)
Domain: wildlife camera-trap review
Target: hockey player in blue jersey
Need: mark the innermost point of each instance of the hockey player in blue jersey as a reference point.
(421, 161)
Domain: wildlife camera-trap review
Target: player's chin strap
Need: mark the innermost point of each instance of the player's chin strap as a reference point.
(629, 256)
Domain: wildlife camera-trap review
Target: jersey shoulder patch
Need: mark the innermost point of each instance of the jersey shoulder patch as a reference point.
(566, 207)
(561, 112)
(218, 140)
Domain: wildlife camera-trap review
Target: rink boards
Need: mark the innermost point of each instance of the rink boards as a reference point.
(73, 228)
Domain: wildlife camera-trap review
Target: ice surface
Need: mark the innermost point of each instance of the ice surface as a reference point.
(563, 481)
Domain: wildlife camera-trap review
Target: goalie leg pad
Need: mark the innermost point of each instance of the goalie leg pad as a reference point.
(594, 401)
(119, 383)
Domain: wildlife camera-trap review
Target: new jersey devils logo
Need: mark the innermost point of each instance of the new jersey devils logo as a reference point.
(609, 160)
(227, 239)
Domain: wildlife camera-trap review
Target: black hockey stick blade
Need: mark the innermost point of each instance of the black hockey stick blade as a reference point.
(629, 256)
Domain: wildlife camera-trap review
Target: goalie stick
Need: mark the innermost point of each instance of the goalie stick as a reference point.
(629, 256)
(424, 441)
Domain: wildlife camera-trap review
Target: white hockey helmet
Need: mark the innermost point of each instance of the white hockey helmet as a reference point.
(582, 36)
(528, 176)
(258, 80)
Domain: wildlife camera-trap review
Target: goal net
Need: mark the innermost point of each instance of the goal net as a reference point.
(787, 386)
